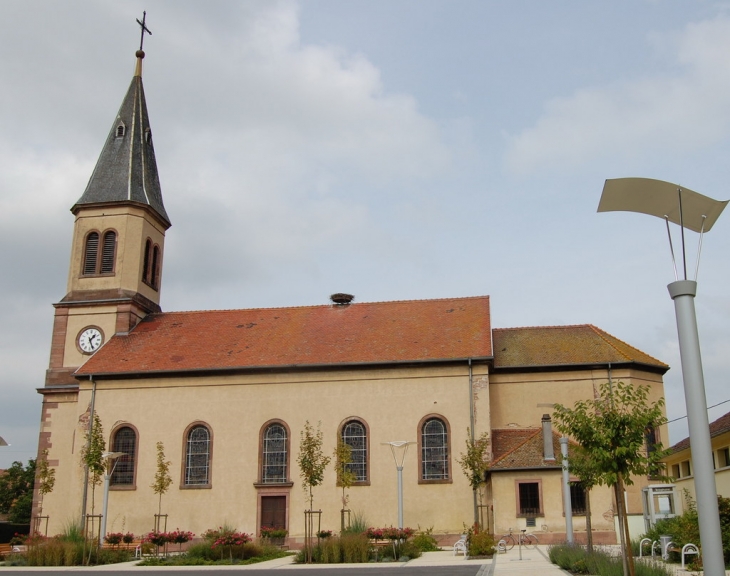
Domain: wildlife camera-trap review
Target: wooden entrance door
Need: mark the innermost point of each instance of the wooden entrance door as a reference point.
(273, 511)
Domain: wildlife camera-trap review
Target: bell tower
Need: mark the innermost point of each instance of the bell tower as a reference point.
(115, 273)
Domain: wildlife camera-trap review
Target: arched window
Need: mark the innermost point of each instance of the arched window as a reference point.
(96, 262)
(125, 440)
(120, 130)
(274, 454)
(434, 442)
(146, 264)
(151, 264)
(154, 270)
(108, 251)
(354, 435)
(91, 253)
(197, 456)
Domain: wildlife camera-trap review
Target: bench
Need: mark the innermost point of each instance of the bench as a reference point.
(7, 549)
(135, 545)
(460, 545)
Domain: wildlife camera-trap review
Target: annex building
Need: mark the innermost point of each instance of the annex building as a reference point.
(228, 392)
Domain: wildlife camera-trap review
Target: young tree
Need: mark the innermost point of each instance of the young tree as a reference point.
(163, 480)
(92, 456)
(345, 476)
(312, 463)
(611, 430)
(16, 491)
(475, 464)
(45, 478)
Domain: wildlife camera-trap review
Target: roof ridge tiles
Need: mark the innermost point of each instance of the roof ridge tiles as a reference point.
(555, 326)
(325, 305)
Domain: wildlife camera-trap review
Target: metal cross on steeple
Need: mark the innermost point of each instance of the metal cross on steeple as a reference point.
(144, 29)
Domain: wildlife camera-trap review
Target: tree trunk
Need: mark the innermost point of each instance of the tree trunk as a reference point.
(589, 524)
(626, 553)
(625, 526)
(621, 534)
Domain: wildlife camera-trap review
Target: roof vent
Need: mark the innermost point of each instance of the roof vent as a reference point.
(342, 299)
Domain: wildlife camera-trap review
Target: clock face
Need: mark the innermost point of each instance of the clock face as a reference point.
(90, 340)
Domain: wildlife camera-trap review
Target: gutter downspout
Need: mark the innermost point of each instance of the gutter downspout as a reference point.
(88, 447)
(471, 428)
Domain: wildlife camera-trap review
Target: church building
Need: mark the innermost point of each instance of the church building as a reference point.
(228, 392)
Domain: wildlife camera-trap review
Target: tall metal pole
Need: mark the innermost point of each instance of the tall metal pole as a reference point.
(105, 506)
(400, 496)
(683, 293)
(566, 492)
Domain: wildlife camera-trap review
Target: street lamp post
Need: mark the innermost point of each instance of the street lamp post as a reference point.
(566, 491)
(402, 447)
(111, 463)
(696, 212)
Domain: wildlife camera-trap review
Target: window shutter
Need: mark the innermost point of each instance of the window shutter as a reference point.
(92, 251)
(108, 252)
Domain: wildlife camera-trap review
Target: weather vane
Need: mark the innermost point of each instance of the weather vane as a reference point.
(144, 29)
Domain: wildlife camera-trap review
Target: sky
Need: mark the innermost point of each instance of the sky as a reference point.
(394, 150)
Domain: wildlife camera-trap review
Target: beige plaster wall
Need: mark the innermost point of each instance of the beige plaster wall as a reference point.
(391, 402)
(133, 226)
(550, 526)
(521, 399)
(103, 317)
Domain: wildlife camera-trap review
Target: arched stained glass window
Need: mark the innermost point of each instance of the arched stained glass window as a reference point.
(197, 457)
(125, 440)
(434, 450)
(355, 436)
(274, 457)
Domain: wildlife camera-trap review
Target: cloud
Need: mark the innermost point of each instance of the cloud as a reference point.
(685, 108)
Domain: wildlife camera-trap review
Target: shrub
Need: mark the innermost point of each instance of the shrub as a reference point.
(479, 543)
(575, 559)
(350, 548)
(684, 529)
(358, 524)
(425, 541)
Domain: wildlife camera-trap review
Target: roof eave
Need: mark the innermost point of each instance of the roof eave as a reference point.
(272, 368)
(657, 369)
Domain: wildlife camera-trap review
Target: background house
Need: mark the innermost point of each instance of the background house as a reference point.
(679, 461)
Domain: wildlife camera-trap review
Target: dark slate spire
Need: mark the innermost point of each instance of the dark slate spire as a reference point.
(126, 170)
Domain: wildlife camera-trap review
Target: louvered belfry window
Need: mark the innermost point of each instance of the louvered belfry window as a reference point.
(154, 271)
(151, 265)
(108, 251)
(91, 253)
(96, 263)
(146, 266)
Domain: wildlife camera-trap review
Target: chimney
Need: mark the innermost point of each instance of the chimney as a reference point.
(547, 438)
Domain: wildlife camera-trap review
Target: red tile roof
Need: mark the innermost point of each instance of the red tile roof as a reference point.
(521, 448)
(719, 426)
(544, 346)
(377, 332)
